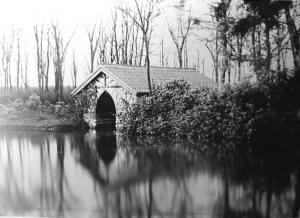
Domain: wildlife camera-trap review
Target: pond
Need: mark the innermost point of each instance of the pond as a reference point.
(101, 174)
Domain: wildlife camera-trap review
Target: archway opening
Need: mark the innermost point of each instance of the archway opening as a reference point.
(105, 110)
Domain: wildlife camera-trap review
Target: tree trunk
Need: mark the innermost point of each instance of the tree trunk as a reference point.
(56, 89)
(10, 84)
(142, 51)
(112, 50)
(229, 70)
(253, 46)
(278, 42)
(239, 48)
(116, 48)
(148, 63)
(224, 53)
(217, 55)
(61, 87)
(268, 50)
(18, 65)
(92, 58)
(180, 57)
(294, 39)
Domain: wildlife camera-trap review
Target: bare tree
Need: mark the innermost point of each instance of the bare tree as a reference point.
(162, 54)
(24, 70)
(46, 62)
(94, 40)
(221, 13)
(18, 61)
(74, 72)
(42, 57)
(143, 19)
(38, 33)
(132, 47)
(7, 48)
(179, 33)
(213, 47)
(127, 29)
(115, 45)
(294, 33)
(59, 55)
(102, 46)
(211, 42)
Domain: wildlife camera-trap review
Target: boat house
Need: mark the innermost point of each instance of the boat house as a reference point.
(110, 84)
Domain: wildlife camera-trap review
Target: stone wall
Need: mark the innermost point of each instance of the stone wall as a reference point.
(90, 95)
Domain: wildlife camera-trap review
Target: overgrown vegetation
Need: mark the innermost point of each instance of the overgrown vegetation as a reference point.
(28, 110)
(246, 113)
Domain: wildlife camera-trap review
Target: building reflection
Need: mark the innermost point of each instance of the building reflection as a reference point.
(106, 146)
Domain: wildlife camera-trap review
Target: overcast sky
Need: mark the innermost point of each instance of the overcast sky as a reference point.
(75, 16)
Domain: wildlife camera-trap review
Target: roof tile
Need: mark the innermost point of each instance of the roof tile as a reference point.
(136, 77)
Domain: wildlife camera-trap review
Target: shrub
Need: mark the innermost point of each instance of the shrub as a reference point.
(51, 108)
(47, 103)
(34, 102)
(18, 104)
(151, 115)
(235, 115)
(2, 107)
(59, 111)
(41, 116)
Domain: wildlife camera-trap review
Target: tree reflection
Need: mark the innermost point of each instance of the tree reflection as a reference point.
(60, 168)
(296, 205)
(143, 178)
(265, 178)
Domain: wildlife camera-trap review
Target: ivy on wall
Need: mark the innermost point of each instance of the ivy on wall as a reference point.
(86, 103)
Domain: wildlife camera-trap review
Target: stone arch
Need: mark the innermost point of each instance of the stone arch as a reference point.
(111, 93)
(105, 110)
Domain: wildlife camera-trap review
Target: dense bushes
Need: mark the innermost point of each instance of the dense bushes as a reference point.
(155, 114)
(242, 113)
(34, 104)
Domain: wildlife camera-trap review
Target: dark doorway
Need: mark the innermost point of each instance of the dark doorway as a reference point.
(105, 111)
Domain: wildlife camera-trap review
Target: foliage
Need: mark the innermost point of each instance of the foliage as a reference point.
(239, 114)
(33, 102)
(85, 105)
(59, 111)
(41, 116)
(40, 107)
(152, 114)
(18, 104)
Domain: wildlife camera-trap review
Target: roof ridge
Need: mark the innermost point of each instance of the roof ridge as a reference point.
(155, 67)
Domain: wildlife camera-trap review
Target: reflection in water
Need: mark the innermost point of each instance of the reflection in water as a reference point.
(101, 174)
(106, 146)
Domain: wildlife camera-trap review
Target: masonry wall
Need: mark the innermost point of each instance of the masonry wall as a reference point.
(96, 88)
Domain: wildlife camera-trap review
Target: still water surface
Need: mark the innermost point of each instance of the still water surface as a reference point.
(99, 174)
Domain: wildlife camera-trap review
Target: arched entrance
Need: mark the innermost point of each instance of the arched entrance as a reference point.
(105, 111)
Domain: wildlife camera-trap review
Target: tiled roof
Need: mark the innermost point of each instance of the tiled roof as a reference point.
(135, 78)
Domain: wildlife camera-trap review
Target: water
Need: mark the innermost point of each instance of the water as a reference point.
(103, 175)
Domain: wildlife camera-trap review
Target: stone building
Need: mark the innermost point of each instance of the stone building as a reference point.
(110, 84)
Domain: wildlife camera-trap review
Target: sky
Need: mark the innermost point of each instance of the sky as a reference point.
(74, 16)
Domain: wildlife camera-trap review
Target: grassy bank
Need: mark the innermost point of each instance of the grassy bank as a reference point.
(33, 114)
(28, 120)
